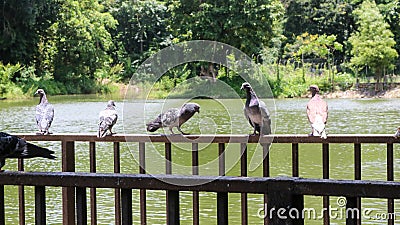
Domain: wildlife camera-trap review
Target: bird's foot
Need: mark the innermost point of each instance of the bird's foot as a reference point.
(183, 133)
(39, 133)
(2, 171)
(47, 133)
(310, 134)
(111, 134)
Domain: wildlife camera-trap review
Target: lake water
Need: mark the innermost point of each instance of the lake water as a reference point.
(79, 114)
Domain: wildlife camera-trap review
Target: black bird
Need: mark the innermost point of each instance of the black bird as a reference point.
(44, 113)
(256, 111)
(107, 119)
(15, 147)
(174, 118)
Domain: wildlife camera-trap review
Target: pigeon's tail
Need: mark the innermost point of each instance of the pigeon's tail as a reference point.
(102, 129)
(36, 151)
(319, 129)
(151, 127)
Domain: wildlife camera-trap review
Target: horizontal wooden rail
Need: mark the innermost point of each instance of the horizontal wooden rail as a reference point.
(217, 138)
(258, 185)
(72, 182)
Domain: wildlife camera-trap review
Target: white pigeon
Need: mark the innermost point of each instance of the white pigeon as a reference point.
(317, 113)
(44, 113)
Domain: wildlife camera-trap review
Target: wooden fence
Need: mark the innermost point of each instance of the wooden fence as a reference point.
(278, 192)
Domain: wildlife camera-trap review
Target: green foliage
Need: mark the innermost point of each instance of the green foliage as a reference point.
(320, 17)
(246, 25)
(313, 45)
(80, 40)
(291, 84)
(73, 46)
(372, 44)
(7, 74)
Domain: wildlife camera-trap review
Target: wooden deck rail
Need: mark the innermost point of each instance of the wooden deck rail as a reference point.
(285, 192)
(70, 194)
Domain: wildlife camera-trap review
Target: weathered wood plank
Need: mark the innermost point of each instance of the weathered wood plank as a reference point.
(298, 186)
(220, 138)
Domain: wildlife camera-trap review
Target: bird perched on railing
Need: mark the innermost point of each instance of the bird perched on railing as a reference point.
(317, 113)
(174, 118)
(107, 119)
(15, 147)
(44, 113)
(256, 111)
(397, 134)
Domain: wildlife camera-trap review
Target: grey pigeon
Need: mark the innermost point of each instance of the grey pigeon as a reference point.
(397, 134)
(44, 113)
(15, 147)
(256, 111)
(174, 117)
(107, 119)
(317, 113)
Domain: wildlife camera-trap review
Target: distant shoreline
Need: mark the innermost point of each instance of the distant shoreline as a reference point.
(392, 93)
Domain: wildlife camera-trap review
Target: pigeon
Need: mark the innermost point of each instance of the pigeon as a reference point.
(107, 119)
(317, 113)
(174, 118)
(256, 111)
(44, 113)
(397, 134)
(15, 147)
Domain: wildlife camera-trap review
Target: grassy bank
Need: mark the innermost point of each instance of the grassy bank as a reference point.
(286, 81)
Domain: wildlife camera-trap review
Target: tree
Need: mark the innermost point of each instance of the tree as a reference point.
(372, 43)
(78, 43)
(246, 25)
(141, 30)
(21, 24)
(330, 17)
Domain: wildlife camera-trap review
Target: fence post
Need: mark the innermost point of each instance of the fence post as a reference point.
(81, 206)
(2, 213)
(142, 170)
(222, 208)
(173, 208)
(117, 191)
(40, 205)
(126, 202)
(281, 203)
(352, 212)
(68, 193)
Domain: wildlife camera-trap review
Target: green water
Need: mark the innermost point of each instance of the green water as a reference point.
(78, 114)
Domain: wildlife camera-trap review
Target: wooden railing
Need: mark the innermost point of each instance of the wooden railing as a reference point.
(278, 192)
